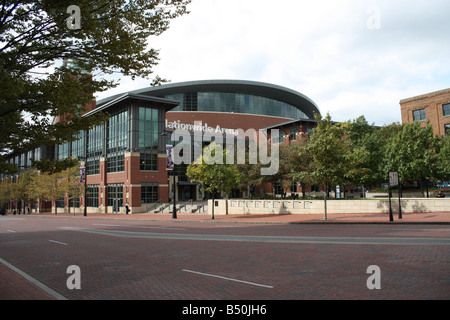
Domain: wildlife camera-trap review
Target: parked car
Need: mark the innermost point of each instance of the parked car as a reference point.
(445, 184)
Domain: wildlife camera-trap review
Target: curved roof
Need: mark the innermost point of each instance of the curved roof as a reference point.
(291, 97)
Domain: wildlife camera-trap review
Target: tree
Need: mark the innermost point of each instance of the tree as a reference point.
(250, 175)
(5, 194)
(52, 188)
(328, 148)
(443, 159)
(413, 152)
(212, 172)
(294, 158)
(37, 36)
(367, 153)
(27, 188)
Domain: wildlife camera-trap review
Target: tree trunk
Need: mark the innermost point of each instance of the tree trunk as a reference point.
(325, 204)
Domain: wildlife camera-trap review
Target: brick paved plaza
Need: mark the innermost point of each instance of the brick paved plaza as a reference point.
(160, 259)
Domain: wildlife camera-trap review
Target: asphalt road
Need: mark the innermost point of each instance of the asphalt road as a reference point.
(166, 260)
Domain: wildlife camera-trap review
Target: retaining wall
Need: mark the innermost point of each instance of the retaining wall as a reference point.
(409, 205)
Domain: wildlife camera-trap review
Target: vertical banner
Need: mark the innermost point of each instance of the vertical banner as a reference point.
(169, 162)
(82, 174)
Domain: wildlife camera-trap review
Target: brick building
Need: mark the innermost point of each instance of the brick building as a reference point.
(433, 107)
(125, 157)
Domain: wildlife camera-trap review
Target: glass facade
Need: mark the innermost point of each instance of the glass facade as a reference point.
(95, 141)
(236, 103)
(117, 139)
(149, 193)
(78, 146)
(92, 196)
(93, 167)
(149, 162)
(148, 129)
(116, 163)
(115, 196)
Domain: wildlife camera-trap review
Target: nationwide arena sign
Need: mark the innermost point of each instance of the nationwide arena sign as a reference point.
(198, 126)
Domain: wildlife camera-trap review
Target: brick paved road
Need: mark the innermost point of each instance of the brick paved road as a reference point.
(166, 260)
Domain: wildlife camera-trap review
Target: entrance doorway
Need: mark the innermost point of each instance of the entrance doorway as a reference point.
(186, 192)
(115, 197)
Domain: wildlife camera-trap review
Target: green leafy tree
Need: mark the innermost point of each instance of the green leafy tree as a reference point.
(443, 160)
(37, 36)
(5, 194)
(52, 188)
(295, 158)
(27, 188)
(212, 171)
(71, 183)
(413, 152)
(367, 153)
(328, 148)
(55, 166)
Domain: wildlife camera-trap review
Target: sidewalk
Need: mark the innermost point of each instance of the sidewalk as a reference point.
(354, 218)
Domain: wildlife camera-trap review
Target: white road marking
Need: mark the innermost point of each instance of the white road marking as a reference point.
(12, 231)
(64, 244)
(50, 291)
(139, 227)
(229, 279)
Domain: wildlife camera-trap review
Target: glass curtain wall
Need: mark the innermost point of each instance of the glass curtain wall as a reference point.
(235, 102)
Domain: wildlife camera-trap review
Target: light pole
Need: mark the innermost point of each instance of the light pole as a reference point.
(84, 178)
(174, 212)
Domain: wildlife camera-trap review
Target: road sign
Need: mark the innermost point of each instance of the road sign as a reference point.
(393, 179)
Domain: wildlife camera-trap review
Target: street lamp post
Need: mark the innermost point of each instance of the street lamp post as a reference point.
(84, 177)
(174, 212)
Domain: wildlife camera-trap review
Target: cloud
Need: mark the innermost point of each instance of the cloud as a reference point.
(323, 49)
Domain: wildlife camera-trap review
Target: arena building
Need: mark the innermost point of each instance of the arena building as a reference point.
(126, 156)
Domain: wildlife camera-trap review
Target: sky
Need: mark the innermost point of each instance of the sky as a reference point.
(351, 57)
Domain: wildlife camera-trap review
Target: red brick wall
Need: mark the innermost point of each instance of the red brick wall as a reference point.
(432, 102)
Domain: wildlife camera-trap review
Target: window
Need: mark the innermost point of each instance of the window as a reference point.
(63, 151)
(446, 109)
(115, 195)
(447, 129)
(95, 142)
(149, 162)
(278, 187)
(419, 115)
(74, 203)
(116, 163)
(92, 196)
(118, 132)
(191, 101)
(281, 138)
(235, 102)
(293, 135)
(293, 187)
(60, 203)
(148, 129)
(149, 192)
(78, 146)
(93, 167)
